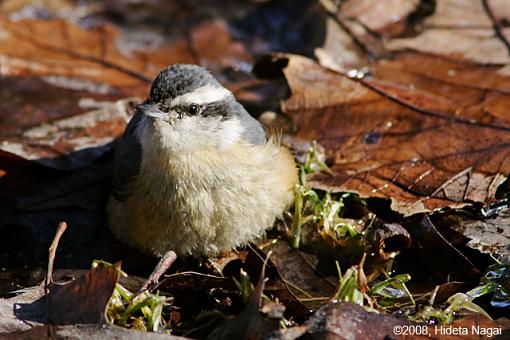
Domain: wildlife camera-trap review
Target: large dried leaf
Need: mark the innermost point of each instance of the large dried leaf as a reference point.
(457, 44)
(402, 134)
(90, 56)
(26, 101)
(459, 29)
(73, 142)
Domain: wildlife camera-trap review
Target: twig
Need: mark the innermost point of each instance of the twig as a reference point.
(332, 11)
(372, 85)
(432, 113)
(62, 226)
(496, 24)
(163, 265)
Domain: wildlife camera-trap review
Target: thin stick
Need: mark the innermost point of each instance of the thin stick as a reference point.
(62, 226)
(498, 28)
(163, 265)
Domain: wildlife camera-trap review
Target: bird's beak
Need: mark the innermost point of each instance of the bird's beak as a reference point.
(152, 110)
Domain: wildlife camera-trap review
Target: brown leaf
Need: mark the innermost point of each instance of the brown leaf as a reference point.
(389, 240)
(46, 79)
(456, 44)
(500, 9)
(428, 242)
(388, 17)
(26, 101)
(459, 13)
(215, 48)
(13, 6)
(340, 51)
(298, 271)
(275, 287)
(73, 142)
(347, 321)
(402, 134)
(91, 56)
(83, 300)
(489, 235)
(458, 29)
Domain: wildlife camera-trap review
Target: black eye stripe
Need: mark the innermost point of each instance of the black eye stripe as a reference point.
(163, 107)
(218, 108)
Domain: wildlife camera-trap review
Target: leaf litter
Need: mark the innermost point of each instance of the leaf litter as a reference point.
(400, 138)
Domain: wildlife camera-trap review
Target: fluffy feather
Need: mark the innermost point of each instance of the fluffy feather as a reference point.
(198, 192)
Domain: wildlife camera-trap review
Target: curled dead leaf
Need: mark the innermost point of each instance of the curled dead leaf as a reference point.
(401, 138)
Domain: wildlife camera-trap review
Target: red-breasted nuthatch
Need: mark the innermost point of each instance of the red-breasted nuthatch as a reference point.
(194, 172)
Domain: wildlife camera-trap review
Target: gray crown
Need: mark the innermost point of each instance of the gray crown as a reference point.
(179, 79)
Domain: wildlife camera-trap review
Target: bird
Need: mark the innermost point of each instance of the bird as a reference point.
(194, 172)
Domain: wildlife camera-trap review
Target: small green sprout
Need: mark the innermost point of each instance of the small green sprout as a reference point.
(142, 311)
(325, 212)
(245, 286)
(311, 163)
(350, 289)
(96, 263)
(354, 288)
(389, 291)
(309, 207)
(495, 282)
(138, 311)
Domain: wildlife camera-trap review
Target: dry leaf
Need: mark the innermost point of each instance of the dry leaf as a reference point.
(401, 135)
(380, 16)
(461, 30)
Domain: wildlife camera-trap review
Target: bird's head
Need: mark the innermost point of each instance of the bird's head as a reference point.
(188, 107)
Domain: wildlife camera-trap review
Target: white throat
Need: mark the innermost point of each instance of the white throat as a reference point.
(190, 134)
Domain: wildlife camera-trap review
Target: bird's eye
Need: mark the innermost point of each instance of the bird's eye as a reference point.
(193, 110)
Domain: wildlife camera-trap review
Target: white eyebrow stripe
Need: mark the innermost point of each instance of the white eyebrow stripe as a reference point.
(202, 95)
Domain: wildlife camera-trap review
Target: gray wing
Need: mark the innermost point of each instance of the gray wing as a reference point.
(127, 160)
(253, 131)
